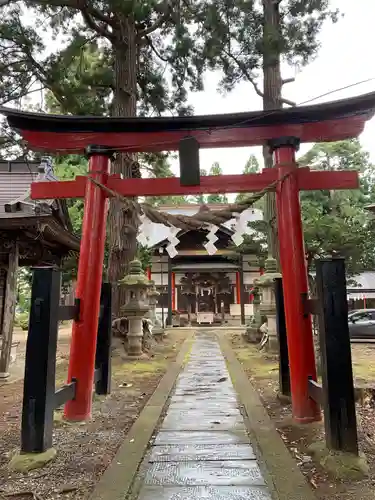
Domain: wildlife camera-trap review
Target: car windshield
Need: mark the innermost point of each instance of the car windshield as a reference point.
(361, 316)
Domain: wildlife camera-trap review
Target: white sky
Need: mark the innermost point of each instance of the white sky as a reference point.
(345, 57)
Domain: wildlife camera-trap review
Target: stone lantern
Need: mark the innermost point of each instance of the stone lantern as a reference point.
(153, 294)
(137, 284)
(266, 284)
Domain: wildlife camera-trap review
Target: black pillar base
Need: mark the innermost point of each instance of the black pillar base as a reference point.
(337, 375)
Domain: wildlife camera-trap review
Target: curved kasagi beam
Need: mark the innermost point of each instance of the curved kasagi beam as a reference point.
(324, 122)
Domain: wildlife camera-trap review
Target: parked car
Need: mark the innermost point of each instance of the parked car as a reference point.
(362, 324)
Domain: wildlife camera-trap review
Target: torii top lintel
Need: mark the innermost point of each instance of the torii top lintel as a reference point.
(332, 121)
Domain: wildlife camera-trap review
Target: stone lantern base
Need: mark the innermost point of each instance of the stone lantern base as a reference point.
(135, 335)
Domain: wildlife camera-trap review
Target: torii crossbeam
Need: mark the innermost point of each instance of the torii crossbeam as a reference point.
(282, 130)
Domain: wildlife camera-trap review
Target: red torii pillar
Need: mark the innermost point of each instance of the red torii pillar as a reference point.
(89, 281)
(300, 341)
(295, 282)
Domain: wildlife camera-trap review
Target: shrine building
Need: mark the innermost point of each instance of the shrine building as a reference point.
(196, 287)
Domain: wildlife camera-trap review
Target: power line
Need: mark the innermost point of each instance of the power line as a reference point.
(337, 90)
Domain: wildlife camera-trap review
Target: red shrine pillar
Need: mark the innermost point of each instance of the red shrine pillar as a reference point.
(89, 280)
(238, 291)
(173, 291)
(148, 272)
(295, 284)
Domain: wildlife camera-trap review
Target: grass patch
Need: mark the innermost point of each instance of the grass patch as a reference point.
(138, 367)
(258, 364)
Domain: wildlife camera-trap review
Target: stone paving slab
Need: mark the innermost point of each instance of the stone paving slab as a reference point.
(201, 437)
(206, 408)
(205, 383)
(210, 473)
(229, 399)
(208, 452)
(197, 421)
(204, 492)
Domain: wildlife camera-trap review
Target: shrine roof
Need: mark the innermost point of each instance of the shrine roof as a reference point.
(17, 210)
(329, 121)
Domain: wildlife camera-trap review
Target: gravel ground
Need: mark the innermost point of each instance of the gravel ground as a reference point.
(263, 373)
(84, 450)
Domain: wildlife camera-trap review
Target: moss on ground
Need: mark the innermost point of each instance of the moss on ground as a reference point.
(139, 367)
(25, 462)
(260, 365)
(339, 465)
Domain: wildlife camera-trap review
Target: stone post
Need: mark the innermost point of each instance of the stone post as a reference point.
(252, 331)
(136, 308)
(268, 305)
(153, 294)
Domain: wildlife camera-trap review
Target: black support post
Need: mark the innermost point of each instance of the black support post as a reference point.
(284, 375)
(169, 316)
(40, 364)
(104, 342)
(242, 292)
(337, 375)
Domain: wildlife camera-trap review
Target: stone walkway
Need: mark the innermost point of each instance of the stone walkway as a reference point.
(202, 450)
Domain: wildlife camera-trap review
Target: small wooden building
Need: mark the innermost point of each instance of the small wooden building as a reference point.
(31, 233)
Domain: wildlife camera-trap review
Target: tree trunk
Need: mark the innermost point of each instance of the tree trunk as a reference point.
(272, 86)
(123, 223)
(9, 311)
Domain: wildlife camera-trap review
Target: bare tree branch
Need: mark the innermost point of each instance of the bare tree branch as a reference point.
(153, 48)
(165, 9)
(98, 28)
(79, 5)
(288, 102)
(251, 79)
(4, 3)
(288, 80)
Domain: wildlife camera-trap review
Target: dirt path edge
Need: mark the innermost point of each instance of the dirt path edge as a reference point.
(280, 470)
(118, 478)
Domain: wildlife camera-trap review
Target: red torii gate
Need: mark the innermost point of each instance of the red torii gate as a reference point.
(282, 130)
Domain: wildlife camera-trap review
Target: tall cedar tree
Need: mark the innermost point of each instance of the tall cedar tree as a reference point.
(248, 40)
(138, 41)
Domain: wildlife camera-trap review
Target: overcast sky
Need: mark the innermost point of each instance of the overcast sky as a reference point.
(345, 57)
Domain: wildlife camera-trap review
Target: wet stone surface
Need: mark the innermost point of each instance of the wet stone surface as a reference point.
(208, 473)
(196, 420)
(203, 492)
(186, 452)
(202, 449)
(201, 437)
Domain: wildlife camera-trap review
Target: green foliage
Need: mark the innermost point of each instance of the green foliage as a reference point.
(144, 255)
(202, 199)
(24, 278)
(67, 168)
(251, 167)
(157, 165)
(239, 37)
(22, 320)
(336, 222)
(216, 198)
